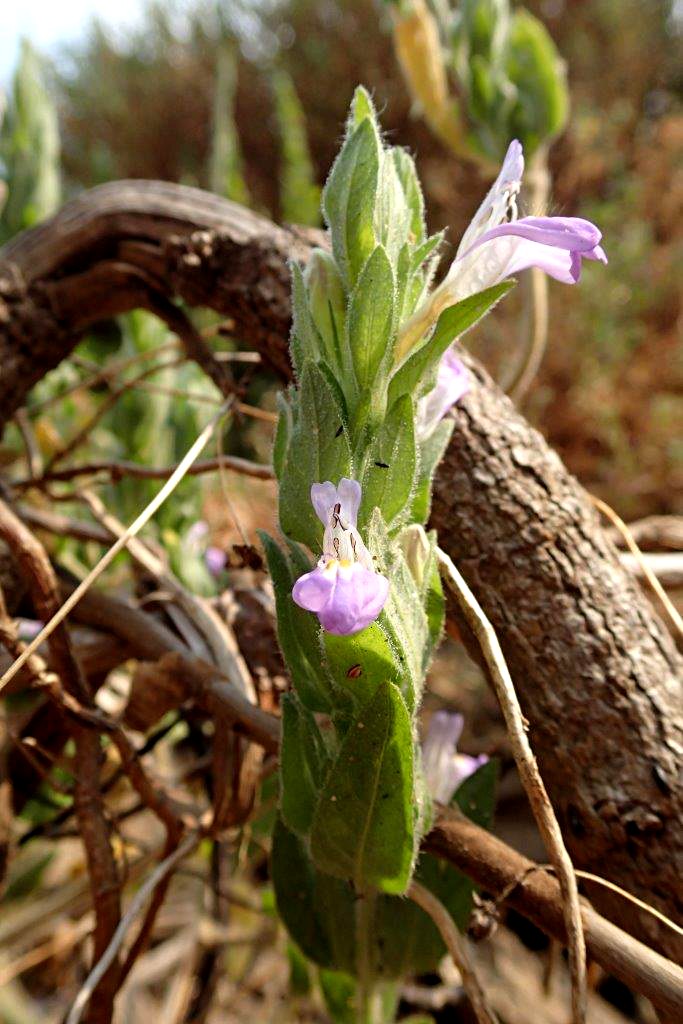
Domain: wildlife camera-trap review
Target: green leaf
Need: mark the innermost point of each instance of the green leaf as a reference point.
(431, 453)
(476, 795)
(297, 630)
(536, 69)
(349, 199)
(339, 993)
(371, 316)
(226, 176)
(299, 191)
(29, 148)
(403, 617)
(358, 664)
(299, 971)
(362, 108)
(305, 343)
(412, 190)
(410, 942)
(327, 303)
(452, 324)
(363, 826)
(316, 909)
(283, 431)
(302, 765)
(392, 213)
(435, 604)
(389, 478)
(319, 451)
(426, 249)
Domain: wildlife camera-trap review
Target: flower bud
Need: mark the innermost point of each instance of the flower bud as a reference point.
(415, 546)
(419, 52)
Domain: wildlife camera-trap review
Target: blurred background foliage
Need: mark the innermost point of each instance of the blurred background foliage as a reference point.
(248, 99)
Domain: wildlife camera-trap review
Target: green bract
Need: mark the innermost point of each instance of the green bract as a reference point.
(513, 78)
(353, 806)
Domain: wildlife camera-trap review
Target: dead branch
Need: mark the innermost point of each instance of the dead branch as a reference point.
(118, 470)
(104, 877)
(500, 870)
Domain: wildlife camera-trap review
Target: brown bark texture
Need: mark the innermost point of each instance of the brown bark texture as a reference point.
(597, 673)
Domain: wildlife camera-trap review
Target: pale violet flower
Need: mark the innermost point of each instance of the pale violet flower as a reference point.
(452, 382)
(343, 590)
(444, 768)
(498, 244)
(196, 536)
(28, 629)
(215, 559)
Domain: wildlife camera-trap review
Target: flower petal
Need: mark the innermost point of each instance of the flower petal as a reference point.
(494, 208)
(215, 559)
(313, 590)
(358, 598)
(452, 383)
(323, 498)
(349, 495)
(573, 233)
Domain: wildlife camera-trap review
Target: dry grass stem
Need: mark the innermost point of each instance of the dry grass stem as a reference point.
(219, 637)
(530, 776)
(136, 905)
(629, 539)
(457, 947)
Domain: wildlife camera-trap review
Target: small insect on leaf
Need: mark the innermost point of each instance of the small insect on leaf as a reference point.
(382, 465)
(340, 431)
(354, 672)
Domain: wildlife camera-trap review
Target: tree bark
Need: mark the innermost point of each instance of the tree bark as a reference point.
(597, 673)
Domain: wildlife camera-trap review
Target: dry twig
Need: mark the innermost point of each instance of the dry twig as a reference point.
(118, 470)
(219, 636)
(106, 560)
(137, 903)
(530, 776)
(629, 539)
(457, 947)
(104, 878)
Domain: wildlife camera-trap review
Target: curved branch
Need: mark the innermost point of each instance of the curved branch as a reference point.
(597, 673)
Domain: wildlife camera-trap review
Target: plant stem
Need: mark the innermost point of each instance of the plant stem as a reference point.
(365, 920)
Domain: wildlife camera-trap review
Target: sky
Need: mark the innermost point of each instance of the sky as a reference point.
(51, 22)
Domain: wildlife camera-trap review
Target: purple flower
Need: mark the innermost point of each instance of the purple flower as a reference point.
(452, 382)
(28, 629)
(444, 768)
(196, 535)
(343, 590)
(556, 245)
(497, 245)
(215, 560)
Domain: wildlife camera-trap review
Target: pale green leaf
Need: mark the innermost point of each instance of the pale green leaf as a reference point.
(389, 477)
(363, 826)
(371, 316)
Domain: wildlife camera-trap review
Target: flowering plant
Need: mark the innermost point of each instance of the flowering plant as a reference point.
(358, 440)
